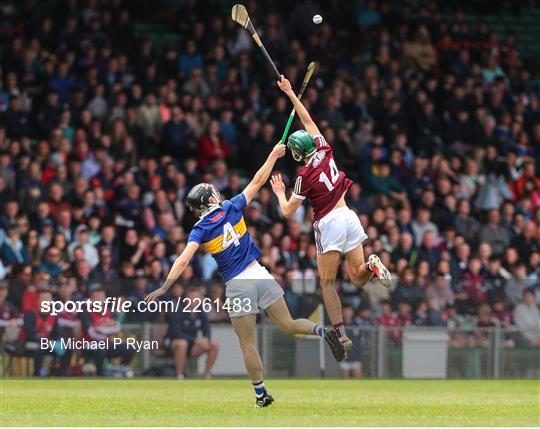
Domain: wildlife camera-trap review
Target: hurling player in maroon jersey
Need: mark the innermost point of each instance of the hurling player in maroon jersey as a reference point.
(337, 228)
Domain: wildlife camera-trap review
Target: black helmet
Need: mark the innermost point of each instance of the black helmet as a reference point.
(199, 197)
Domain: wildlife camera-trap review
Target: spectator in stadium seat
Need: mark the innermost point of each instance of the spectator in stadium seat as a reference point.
(527, 184)
(69, 324)
(8, 311)
(494, 234)
(197, 85)
(99, 327)
(357, 201)
(428, 251)
(40, 325)
(176, 135)
(404, 313)
(389, 320)
(473, 285)
(139, 289)
(352, 367)
(82, 239)
(440, 291)
(64, 223)
(190, 59)
(420, 52)
(106, 273)
(517, 284)
(483, 323)
(149, 118)
(130, 207)
(18, 122)
(526, 242)
(501, 314)
(380, 182)
(185, 326)
(212, 146)
(12, 249)
(407, 287)
(423, 223)
(527, 317)
(428, 313)
(466, 224)
(495, 278)
(10, 211)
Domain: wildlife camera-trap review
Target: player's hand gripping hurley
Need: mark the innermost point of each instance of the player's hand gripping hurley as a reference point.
(307, 77)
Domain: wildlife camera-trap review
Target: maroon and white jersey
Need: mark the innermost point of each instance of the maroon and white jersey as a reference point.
(321, 181)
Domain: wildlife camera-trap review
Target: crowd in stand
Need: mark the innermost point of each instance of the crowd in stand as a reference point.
(102, 136)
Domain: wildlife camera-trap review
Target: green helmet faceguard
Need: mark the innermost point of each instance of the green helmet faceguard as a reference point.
(301, 145)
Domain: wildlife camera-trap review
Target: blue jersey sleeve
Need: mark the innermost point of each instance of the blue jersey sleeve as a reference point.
(196, 235)
(239, 201)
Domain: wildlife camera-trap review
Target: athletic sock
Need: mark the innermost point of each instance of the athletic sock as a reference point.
(260, 389)
(318, 330)
(339, 329)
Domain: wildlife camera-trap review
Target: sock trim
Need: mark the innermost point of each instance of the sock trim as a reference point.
(259, 388)
(339, 329)
(318, 330)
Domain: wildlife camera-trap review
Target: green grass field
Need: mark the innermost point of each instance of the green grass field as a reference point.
(90, 402)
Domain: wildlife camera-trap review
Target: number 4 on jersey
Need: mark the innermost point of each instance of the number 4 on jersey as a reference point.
(230, 236)
(334, 174)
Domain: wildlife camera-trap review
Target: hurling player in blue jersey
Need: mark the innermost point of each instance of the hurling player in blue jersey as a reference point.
(222, 230)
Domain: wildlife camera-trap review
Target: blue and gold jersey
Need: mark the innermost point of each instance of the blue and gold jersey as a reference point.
(224, 235)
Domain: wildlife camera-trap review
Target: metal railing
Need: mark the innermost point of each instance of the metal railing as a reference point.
(471, 353)
(474, 353)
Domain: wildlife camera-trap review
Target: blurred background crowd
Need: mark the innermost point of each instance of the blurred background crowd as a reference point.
(111, 110)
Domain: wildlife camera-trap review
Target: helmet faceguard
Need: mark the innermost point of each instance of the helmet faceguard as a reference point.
(301, 145)
(297, 156)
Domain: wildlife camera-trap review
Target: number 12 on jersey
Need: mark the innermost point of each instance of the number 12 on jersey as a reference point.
(334, 175)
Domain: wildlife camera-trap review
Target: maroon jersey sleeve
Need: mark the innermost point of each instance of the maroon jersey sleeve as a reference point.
(321, 143)
(301, 187)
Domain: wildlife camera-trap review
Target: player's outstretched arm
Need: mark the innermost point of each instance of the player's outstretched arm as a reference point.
(288, 207)
(301, 110)
(264, 172)
(177, 269)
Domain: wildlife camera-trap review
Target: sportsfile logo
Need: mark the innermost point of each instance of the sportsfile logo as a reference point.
(110, 304)
(116, 305)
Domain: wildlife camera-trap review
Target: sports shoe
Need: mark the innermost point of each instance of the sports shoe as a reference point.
(338, 349)
(380, 271)
(264, 401)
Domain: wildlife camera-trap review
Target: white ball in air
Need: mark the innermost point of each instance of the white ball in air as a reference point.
(317, 19)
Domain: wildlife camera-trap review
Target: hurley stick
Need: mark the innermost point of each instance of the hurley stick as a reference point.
(240, 15)
(309, 73)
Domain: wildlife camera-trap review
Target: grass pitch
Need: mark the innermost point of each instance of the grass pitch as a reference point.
(91, 402)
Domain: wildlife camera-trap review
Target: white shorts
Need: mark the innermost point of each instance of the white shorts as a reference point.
(350, 366)
(250, 290)
(339, 230)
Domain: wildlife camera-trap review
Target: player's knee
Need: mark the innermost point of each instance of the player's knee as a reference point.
(214, 347)
(328, 283)
(248, 344)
